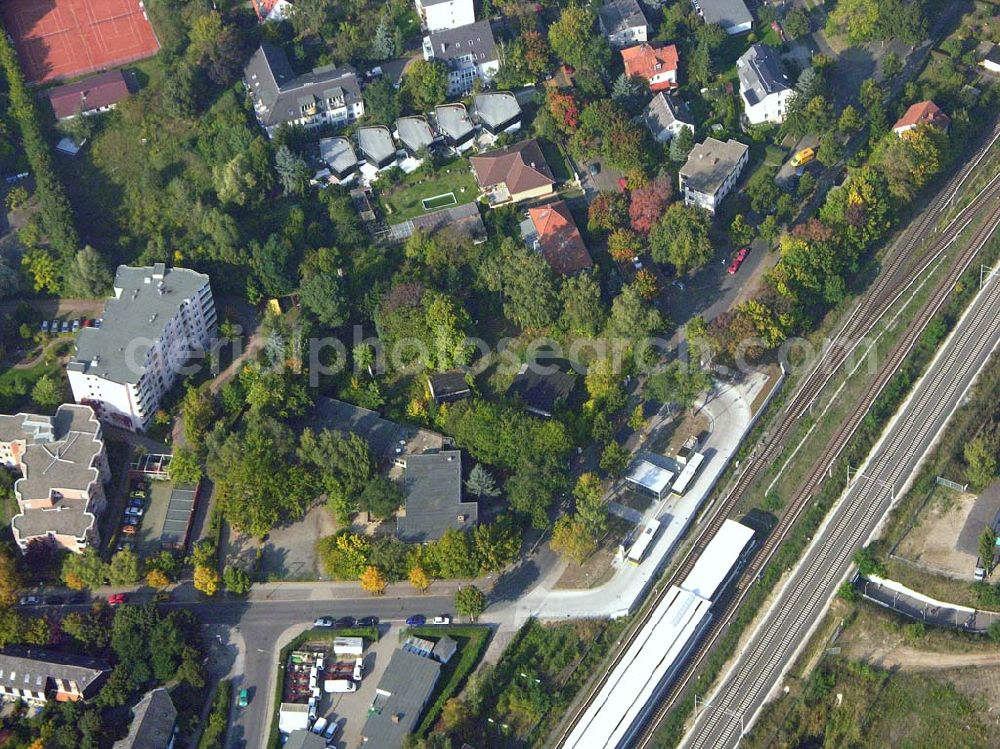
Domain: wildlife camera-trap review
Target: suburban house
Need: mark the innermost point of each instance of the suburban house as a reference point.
(732, 15)
(990, 56)
(923, 113)
(497, 112)
(469, 52)
(658, 65)
(542, 388)
(415, 135)
(158, 319)
(377, 146)
(153, 725)
(455, 126)
(327, 95)
(98, 93)
(36, 675)
(432, 485)
(445, 14)
(448, 387)
(461, 220)
(764, 86)
(339, 156)
(666, 116)
(63, 466)
(400, 698)
(623, 23)
(711, 171)
(510, 175)
(551, 230)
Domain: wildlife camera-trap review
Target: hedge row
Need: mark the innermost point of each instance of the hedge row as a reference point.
(214, 735)
(56, 213)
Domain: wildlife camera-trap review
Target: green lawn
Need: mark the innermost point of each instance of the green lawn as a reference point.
(556, 160)
(16, 384)
(405, 200)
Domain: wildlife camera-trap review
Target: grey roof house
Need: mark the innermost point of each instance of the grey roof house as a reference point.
(469, 52)
(326, 95)
(415, 134)
(432, 484)
(455, 125)
(542, 388)
(623, 23)
(764, 86)
(498, 112)
(732, 15)
(400, 699)
(35, 675)
(376, 146)
(153, 721)
(666, 116)
(711, 171)
(339, 155)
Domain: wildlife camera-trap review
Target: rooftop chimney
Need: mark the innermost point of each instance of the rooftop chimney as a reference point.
(159, 270)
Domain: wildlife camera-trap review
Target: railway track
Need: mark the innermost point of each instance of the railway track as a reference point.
(810, 588)
(907, 258)
(835, 445)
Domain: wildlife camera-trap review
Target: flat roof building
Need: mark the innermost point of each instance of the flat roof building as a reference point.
(711, 171)
(158, 319)
(455, 125)
(400, 699)
(498, 112)
(339, 155)
(63, 465)
(649, 478)
(376, 146)
(415, 135)
(432, 485)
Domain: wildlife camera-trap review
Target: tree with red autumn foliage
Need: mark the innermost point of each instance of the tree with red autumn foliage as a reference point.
(607, 212)
(565, 110)
(624, 244)
(647, 204)
(535, 48)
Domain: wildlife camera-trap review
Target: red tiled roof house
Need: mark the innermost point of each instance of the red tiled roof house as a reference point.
(558, 239)
(510, 175)
(658, 65)
(98, 93)
(922, 113)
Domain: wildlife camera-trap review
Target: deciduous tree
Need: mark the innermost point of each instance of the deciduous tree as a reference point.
(470, 602)
(681, 238)
(425, 83)
(571, 539)
(648, 203)
(373, 580)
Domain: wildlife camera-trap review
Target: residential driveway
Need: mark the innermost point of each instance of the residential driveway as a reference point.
(606, 180)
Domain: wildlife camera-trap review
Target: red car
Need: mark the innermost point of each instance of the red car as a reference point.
(117, 599)
(741, 255)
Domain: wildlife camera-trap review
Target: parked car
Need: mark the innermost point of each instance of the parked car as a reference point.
(244, 699)
(129, 530)
(594, 169)
(368, 621)
(98, 321)
(359, 669)
(331, 731)
(416, 620)
(64, 326)
(331, 686)
(45, 326)
(319, 726)
(54, 601)
(740, 256)
(135, 510)
(87, 322)
(637, 263)
(346, 622)
(76, 598)
(117, 599)
(76, 325)
(30, 600)
(443, 619)
(323, 621)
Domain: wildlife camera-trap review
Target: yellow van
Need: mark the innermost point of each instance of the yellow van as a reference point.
(803, 157)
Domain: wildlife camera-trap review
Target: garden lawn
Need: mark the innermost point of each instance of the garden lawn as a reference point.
(405, 200)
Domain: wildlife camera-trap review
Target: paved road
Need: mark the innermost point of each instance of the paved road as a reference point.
(915, 606)
(801, 603)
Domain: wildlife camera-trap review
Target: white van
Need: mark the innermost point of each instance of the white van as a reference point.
(339, 685)
(359, 669)
(318, 726)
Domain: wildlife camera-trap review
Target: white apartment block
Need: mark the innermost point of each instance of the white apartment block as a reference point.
(623, 23)
(436, 15)
(158, 319)
(63, 467)
(469, 52)
(711, 172)
(764, 86)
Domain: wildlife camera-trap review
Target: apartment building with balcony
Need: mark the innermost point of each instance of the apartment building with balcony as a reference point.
(326, 95)
(469, 52)
(63, 467)
(157, 321)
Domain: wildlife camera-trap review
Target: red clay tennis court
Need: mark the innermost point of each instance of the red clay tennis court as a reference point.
(66, 38)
